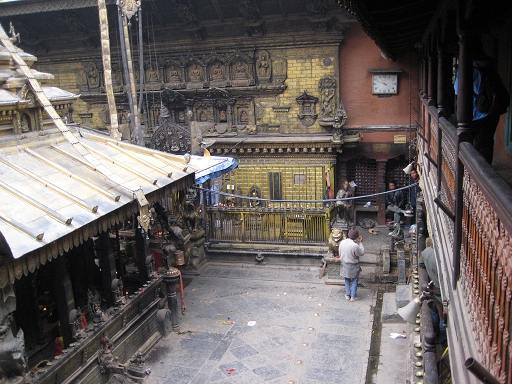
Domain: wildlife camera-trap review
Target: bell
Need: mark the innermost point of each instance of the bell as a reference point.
(407, 170)
(409, 312)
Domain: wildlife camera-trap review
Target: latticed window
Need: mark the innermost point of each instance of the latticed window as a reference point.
(395, 171)
(364, 173)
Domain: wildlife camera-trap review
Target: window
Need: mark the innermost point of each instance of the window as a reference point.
(299, 179)
(274, 183)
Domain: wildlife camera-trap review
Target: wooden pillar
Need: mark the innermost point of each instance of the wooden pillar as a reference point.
(464, 118)
(64, 298)
(444, 82)
(424, 77)
(107, 265)
(432, 77)
(142, 250)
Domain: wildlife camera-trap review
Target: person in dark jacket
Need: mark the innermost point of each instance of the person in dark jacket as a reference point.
(395, 202)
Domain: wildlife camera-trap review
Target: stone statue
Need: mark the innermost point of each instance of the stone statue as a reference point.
(344, 207)
(93, 301)
(12, 346)
(255, 193)
(336, 236)
(75, 321)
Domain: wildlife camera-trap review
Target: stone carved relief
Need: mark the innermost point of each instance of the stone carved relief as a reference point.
(279, 70)
(81, 80)
(217, 74)
(264, 67)
(117, 78)
(93, 76)
(171, 137)
(242, 69)
(173, 74)
(151, 72)
(307, 109)
(327, 89)
(339, 120)
(195, 76)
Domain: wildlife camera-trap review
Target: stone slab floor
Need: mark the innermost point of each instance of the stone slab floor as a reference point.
(254, 324)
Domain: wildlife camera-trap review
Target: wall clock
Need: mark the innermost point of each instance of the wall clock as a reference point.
(384, 83)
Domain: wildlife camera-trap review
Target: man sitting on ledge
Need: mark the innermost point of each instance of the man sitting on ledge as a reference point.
(395, 202)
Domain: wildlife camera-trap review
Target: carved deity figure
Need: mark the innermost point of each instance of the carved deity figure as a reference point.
(241, 70)
(244, 118)
(327, 88)
(93, 76)
(263, 65)
(195, 73)
(222, 115)
(254, 193)
(173, 73)
(12, 345)
(217, 72)
(327, 103)
(152, 75)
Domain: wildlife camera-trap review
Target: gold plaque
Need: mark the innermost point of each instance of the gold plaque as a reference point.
(399, 139)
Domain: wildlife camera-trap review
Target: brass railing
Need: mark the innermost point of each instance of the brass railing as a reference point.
(232, 224)
(479, 297)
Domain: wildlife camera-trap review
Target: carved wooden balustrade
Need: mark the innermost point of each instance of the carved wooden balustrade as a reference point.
(269, 225)
(477, 276)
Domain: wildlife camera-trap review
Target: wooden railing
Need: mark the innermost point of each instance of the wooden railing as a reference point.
(479, 297)
(232, 224)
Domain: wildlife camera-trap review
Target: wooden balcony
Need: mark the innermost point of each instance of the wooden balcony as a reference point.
(469, 214)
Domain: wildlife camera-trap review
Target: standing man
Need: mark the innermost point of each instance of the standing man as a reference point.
(486, 116)
(351, 249)
(415, 179)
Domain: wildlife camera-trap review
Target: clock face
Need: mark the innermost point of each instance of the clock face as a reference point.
(385, 84)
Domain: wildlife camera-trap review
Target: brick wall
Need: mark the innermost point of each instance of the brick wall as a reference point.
(358, 53)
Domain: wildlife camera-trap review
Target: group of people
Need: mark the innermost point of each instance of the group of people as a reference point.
(351, 249)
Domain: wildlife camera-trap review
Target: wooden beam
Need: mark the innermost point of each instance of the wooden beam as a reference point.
(216, 4)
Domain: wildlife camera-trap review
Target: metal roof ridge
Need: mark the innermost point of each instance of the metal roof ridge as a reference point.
(70, 174)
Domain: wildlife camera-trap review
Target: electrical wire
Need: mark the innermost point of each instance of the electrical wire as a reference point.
(302, 201)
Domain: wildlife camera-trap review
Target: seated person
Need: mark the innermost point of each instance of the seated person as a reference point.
(395, 202)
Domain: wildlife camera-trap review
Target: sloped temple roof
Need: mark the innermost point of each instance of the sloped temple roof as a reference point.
(52, 200)
(62, 185)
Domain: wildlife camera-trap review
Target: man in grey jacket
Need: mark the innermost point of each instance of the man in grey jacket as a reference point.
(350, 250)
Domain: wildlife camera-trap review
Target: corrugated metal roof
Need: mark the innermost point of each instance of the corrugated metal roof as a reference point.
(47, 190)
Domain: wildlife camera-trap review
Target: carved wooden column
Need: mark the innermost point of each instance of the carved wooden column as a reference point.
(444, 83)
(64, 298)
(432, 77)
(108, 266)
(142, 250)
(464, 119)
(424, 77)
